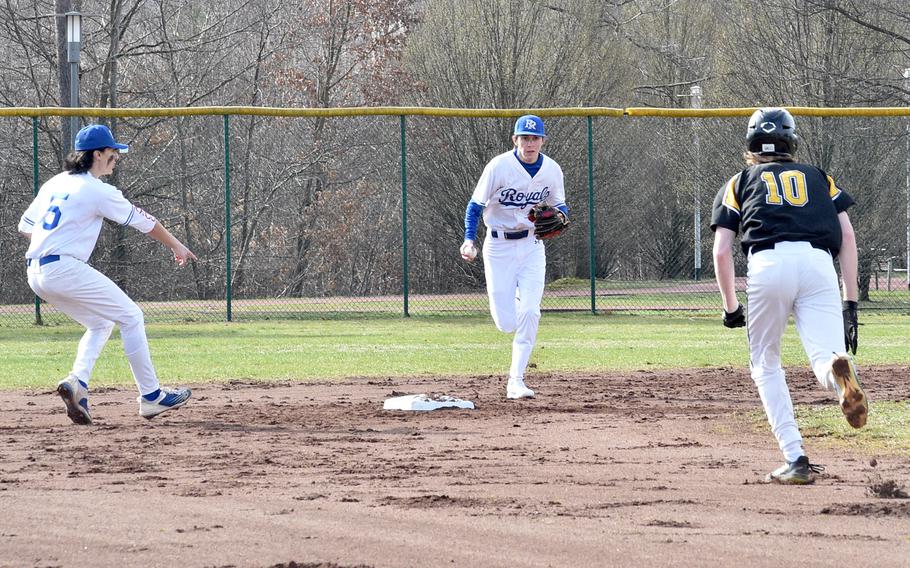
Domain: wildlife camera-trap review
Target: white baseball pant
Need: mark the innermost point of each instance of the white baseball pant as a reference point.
(92, 299)
(796, 278)
(515, 272)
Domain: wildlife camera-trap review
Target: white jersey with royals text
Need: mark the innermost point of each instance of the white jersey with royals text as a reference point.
(66, 216)
(508, 192)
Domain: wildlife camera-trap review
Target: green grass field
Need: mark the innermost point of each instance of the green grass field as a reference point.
(303, 350)
(420, 345)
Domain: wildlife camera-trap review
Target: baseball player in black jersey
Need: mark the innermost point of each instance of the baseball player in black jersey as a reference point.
(794, 223)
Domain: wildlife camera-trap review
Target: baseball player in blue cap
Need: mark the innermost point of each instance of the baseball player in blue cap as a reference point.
(63, 223)
(512, 183)
(794, 223)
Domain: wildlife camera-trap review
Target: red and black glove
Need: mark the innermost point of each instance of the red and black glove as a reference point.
(548, 221)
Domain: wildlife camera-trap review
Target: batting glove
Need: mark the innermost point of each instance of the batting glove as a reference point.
(736, 318)
(851, 326)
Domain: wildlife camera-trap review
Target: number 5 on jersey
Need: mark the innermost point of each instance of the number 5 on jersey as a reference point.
(52, 217)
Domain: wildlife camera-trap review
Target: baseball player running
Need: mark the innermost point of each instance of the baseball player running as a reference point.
(512, 183)
(63, 223)
(794, 224)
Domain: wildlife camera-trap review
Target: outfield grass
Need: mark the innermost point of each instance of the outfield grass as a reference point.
(420, 345)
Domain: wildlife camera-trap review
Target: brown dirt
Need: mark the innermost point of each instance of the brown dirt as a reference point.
(639, 469)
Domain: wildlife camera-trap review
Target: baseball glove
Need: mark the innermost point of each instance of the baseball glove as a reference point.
(548, 221)
(736, 318)
(851, 325)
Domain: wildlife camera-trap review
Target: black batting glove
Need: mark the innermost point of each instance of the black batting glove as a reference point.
(736, 318)
(851, 326)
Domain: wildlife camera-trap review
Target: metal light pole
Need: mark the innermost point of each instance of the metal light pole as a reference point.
(73, 39)
(907, 187)
(695, 93)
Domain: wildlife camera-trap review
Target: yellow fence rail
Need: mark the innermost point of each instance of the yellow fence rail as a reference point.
(444, 112)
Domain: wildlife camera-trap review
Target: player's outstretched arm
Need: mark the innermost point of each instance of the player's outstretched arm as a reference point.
(181, 254)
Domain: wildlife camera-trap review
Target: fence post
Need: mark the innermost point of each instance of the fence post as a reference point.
(404, 217)
(696, 103)
(227, 212)
(38, 320)
(591, 248)
(907, 188)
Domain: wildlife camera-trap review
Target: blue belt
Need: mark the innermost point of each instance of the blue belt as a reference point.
(44, 260)
(510, 236)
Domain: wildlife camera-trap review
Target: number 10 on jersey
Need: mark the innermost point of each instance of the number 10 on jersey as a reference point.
(793, 183)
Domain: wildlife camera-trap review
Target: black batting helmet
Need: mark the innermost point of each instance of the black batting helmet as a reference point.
(771, 132)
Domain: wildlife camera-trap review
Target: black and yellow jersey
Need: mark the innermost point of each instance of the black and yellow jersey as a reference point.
(782, 201)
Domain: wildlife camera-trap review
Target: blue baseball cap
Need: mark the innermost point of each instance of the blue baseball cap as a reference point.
(97, 137)
(529, 125)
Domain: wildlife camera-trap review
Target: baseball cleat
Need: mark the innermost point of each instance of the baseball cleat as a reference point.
(798, 472)
(168, 399)
(853, 401)
(516, 389)
(75, 397)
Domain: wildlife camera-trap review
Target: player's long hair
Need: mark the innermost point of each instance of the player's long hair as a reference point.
(79, 162)
(753, 158)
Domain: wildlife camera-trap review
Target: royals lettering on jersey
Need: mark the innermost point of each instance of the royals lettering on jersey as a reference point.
(511, 197)
(782, 201)
(507, 192)
(66, 216)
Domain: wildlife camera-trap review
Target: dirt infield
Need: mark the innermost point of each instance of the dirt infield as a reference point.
(639, 469)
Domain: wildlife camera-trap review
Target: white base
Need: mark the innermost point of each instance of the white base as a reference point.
(424, 402)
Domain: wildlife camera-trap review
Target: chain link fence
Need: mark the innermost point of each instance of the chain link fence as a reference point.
(320, 216)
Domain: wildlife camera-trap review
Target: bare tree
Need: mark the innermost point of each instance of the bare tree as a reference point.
(503, 54)
(831, 53)
(316, 202)
(346, 54)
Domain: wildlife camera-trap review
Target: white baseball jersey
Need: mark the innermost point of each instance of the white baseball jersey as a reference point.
(65, 217)
(508, 192)
(65, 220)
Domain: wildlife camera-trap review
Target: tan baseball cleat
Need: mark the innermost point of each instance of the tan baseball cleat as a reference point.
(853, 402)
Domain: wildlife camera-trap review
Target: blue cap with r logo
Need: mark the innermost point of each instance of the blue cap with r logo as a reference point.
(529, 125)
